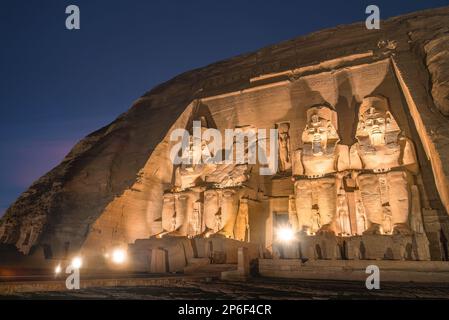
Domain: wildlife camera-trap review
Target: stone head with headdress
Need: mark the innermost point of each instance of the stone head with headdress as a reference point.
(321, 128)
(376, 121)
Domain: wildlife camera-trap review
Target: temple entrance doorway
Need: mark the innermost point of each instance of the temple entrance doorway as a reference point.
(280, 220)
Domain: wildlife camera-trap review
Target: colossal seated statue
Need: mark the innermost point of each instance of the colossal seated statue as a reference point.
(205, 198)
(209, 168)
(315, 168)
(193, 169)
(382, 161)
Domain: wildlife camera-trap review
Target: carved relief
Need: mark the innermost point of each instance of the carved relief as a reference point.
(344, 222)
(292, 215)
(339, 191)
(361, 220)
(285, 163)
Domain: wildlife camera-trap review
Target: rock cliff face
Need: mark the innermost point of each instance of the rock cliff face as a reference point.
(108, 189)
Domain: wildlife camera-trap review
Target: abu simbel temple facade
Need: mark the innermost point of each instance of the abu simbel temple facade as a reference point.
(361, 150)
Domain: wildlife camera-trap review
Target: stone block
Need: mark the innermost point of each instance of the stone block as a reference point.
(243, 261)
(158, 261)
(388, 247)
(324, 246)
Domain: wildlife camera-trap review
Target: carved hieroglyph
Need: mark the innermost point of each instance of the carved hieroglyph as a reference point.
(212, 210)
(383, 158)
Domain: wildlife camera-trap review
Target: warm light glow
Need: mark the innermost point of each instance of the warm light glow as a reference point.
(119, 256)
(77, 262)
(208, 233)
(58, 269)
(285, 234)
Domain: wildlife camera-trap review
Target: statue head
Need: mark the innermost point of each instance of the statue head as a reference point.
(198, 146)
(203, 121)
(321, 128)
(375, 121)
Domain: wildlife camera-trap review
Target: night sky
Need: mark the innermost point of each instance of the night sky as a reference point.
(57, 86)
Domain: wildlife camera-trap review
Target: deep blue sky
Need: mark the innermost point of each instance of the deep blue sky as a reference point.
(56, 85)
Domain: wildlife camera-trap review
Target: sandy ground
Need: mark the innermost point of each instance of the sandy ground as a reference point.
(254, 289)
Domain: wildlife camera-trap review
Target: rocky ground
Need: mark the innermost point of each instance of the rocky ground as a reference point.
(254, 289)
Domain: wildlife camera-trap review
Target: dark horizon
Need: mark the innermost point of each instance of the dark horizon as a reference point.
(59, 85)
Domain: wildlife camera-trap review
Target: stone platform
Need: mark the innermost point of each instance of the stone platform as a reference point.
(355, 270)
(181, 254)
(364, 247)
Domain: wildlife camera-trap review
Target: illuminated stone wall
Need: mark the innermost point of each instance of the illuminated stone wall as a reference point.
(109, 188)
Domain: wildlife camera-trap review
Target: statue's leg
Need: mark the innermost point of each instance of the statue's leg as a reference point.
(168, 213)
(327, 203)
(372, 202)
(210, 208)
(241, 221)
(181, 206)
(303, 199)
(229, 213)
(398, 194)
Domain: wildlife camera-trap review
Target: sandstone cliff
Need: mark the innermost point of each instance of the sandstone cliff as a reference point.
(109, 187)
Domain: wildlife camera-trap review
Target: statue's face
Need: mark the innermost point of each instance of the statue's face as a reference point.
(195, 155)
(318, 132)
(211, 201)
(211, 195)
(373, 123)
